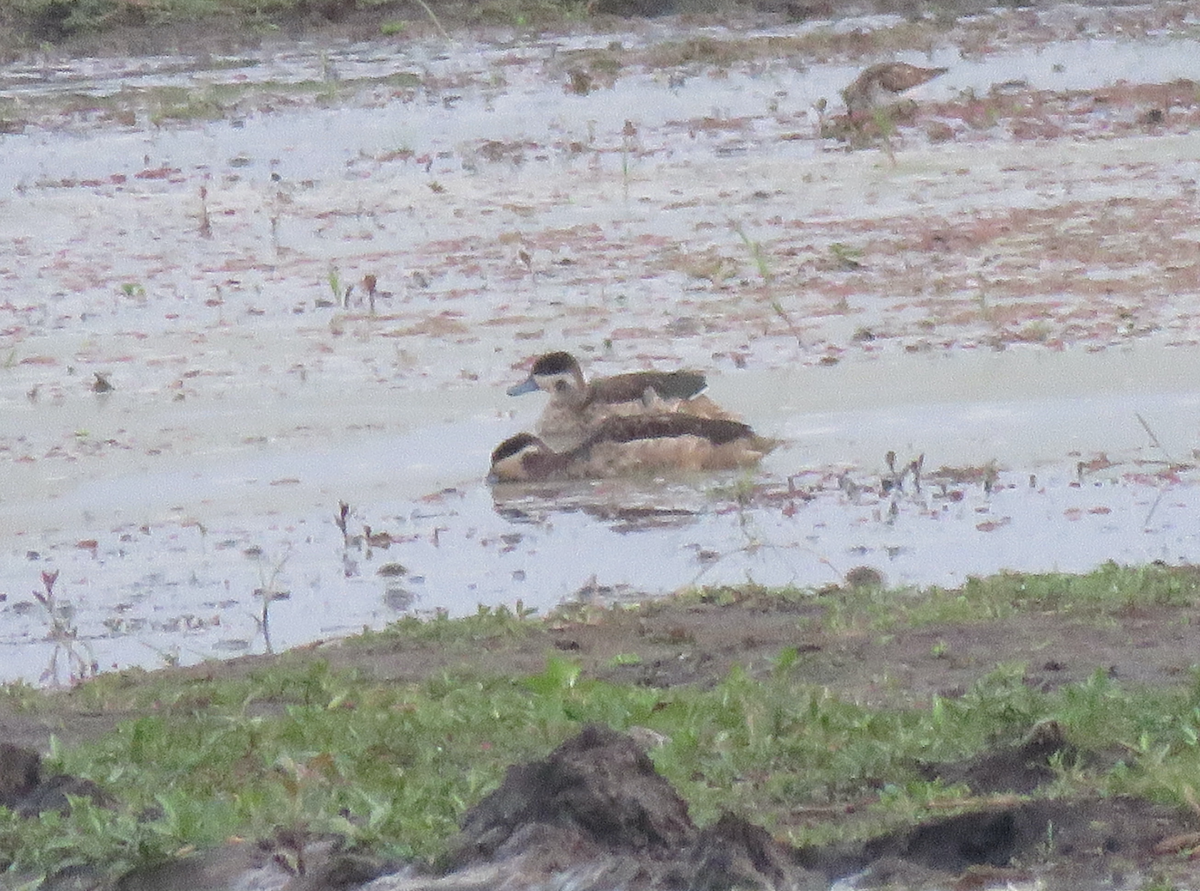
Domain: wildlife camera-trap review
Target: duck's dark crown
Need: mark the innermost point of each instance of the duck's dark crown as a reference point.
(554, 363)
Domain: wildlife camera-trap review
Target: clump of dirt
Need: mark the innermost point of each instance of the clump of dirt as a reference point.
(599, 784)
(596, 807)
(1020, 768)
(25, 791)
(1082, 840)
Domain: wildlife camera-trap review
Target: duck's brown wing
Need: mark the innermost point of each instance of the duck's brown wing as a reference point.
(629, 428)
(633, 386)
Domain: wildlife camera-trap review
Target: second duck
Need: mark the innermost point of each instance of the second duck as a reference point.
(632, 445)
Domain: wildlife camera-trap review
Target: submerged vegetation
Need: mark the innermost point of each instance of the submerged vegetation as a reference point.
(299, 748)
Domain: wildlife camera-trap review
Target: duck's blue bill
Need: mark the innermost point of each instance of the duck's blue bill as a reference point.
(526, 386)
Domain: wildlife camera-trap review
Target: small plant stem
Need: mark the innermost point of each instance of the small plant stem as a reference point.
(433, 17)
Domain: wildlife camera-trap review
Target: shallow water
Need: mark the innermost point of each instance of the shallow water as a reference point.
(173, 560)
(249, 402)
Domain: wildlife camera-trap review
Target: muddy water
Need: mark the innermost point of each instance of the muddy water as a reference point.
(174, 564)
(503, 216)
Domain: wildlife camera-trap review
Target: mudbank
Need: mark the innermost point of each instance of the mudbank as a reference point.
(595, 814)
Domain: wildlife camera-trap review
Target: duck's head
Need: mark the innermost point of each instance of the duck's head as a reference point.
(520, 458)
(557, 373)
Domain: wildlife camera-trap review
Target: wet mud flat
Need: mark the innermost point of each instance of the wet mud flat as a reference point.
(244, 288)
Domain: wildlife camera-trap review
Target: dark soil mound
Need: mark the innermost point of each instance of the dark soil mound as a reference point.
(600, 785)
(596, 807)
(1021, 768)
(26, 791)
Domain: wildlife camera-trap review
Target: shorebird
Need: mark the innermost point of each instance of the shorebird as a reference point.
(881, 84)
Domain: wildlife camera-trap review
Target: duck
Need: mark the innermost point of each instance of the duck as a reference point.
(576, 405)
(632, 445)
(881, 84)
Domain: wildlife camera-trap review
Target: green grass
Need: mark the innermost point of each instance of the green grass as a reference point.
(165, 104)
(28, 24)
(487, 624)
(298, 747)
(1109, 590)
(1100, 595)
(392, 768)
(31, 22)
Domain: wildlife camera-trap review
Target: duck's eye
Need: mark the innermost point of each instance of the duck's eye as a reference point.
(560, 385)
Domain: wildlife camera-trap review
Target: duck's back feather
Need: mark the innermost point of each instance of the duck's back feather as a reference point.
(632, 387)
(624, 445)
(629, 428)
